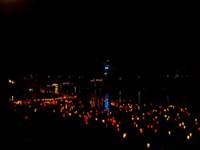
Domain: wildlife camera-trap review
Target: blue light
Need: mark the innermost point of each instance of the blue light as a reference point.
(106, 67)
(107, 102)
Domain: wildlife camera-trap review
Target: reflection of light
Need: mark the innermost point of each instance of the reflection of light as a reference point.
(107, 102)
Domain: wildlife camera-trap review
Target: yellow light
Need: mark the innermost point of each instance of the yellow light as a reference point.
(168, 118)
(148, 145)
(169, 132)
(118, 129)
(183, 123)
(165, 116)
(190, 134)
(184, 127)
(177, 114)
(188, 137)
(141, 130)
(180, 125)
(124, 135)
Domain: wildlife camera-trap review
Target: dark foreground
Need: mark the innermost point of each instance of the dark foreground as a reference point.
(44, 128)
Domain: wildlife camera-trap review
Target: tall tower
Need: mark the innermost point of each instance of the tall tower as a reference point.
(106, 68)
(106, 84)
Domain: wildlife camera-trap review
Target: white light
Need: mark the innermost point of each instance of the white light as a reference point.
(148, 145)
(169, 132)
(106, 67)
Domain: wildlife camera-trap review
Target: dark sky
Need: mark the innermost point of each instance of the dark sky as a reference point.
(43, 34)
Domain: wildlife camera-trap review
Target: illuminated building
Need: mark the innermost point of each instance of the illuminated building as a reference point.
(106, 68)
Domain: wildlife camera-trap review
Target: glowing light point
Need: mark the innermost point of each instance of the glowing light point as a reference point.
(26, 117)
(169, 132)
(141, 131)
(148, 145)
(188, 137)
(124, 135)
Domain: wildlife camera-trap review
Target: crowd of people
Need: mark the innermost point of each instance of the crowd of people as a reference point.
(146, 125)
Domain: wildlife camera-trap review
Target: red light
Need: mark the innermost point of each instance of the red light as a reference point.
(75, 97)
(151, 126)
(26, 117)
(199, 129)
(148, 126)
(65, 97)
(149, 113)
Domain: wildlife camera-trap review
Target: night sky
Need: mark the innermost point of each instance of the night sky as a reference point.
(82, 35)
